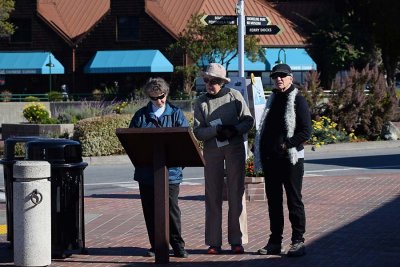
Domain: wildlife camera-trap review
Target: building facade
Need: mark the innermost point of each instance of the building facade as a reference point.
(73, 31)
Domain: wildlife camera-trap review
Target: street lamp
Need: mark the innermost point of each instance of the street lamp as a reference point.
(50, 65)
(279, 61)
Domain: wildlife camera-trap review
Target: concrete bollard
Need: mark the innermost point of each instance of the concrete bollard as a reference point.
(32, 213)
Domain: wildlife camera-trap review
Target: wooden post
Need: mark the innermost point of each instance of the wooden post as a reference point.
(161, 203)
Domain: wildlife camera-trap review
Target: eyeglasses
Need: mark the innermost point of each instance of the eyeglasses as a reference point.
(280, 75)
(155, 98)
(211, 81)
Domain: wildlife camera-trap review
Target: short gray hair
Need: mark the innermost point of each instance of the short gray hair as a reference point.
(156, 85)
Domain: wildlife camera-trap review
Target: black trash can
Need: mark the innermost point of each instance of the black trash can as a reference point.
(8, 161)
(67, 192)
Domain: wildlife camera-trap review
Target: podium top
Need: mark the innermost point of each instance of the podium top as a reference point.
(180, 146)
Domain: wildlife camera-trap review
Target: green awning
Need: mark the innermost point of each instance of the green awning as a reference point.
(25, 62)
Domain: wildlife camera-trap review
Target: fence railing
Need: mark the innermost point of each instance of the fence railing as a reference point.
(22, 97)
(45, 97)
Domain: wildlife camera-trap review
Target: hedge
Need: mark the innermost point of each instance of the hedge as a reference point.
(97, 135)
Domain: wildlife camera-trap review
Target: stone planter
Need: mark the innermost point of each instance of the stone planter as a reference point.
(30, 129)
(254, 189)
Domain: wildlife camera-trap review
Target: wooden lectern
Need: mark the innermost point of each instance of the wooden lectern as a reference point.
(161, 148)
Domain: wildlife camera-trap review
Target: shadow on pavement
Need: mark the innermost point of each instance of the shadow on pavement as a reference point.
(392, 161)
(196, 198)
(137, 196)
(371, 241)
(125, 196)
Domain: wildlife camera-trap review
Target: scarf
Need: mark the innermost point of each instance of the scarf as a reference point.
(290, 122)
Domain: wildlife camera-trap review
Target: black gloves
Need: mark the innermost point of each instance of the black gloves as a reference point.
(225, 132)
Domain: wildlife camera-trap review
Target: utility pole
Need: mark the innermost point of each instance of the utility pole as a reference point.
(241, 31)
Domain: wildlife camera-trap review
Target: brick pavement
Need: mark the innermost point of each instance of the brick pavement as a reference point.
(351, 221)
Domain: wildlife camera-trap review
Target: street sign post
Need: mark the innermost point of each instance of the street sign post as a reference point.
(232, 20)
(219, 20)
(257, 21)
(268, 29)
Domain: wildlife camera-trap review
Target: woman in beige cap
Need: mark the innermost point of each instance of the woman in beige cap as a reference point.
(221, 117)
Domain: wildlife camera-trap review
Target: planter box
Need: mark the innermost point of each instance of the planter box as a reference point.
(29, 129)
(254, 189)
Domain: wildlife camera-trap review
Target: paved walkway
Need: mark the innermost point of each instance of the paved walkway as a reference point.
(351, 221)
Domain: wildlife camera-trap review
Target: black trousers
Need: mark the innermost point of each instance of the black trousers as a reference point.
(279, 174)
(147, 198)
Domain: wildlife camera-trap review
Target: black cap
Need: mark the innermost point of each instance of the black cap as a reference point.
(281, 68)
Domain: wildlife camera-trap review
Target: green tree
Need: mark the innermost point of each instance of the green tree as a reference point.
(208, 43)
(354, 33)
(333, 46)
(6, 28)
(380, 20)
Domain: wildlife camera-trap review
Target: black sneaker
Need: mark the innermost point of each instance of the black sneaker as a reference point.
(270, 249)
(181, 253)
(296, 249)
(150, 253)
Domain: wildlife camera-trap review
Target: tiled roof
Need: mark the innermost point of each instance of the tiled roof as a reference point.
(174, 14)
(72, 18)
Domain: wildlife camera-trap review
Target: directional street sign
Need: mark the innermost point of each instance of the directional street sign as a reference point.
(256, 21)
(269, 29)
(219, 20)
(232, 20)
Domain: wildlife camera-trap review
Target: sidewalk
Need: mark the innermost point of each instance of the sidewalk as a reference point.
(351, 221)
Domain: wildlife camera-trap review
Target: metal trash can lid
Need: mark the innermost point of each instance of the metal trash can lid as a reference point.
(54, 150)
(10, 143)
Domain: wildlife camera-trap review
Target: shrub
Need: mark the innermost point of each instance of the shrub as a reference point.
(67, 118)
(134, 106)
(314, 94)
(55, 96)
(6, 96)
(325, 131)
(97, 94)
(97, 135)
(86, 109)
(31, 99)
(119, 107)
(36, 113)
(179, 95)
(354, 108)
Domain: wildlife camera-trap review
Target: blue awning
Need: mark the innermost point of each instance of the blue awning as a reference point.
(234, 64)
(296, 58)
(29, 63)
(122, 61)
